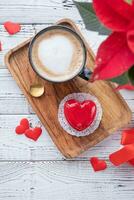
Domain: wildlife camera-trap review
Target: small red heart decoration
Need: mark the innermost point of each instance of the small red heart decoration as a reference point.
(20, 129)
(24, 125)
(12, 27)
(97, 164)
(127, 137)
(33, 134)
(80, 115)
(24, 122)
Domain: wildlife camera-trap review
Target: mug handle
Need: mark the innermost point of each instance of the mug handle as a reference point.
(85, 73)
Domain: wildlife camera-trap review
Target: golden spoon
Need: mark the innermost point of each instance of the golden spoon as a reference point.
(37, 89)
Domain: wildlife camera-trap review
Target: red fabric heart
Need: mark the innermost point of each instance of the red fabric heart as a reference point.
(11, 27)
(127, 137)
(80, 115)
(97, 164)
(33, 134)
(20, 129)
(24, 125)
(123, 155)
(24, 122)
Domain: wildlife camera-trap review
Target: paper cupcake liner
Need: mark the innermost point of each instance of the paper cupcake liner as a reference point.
(80, 97)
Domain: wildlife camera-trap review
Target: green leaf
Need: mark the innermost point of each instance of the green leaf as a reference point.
(121, 80)
(127, 77)
(131, 75)
(89, 17)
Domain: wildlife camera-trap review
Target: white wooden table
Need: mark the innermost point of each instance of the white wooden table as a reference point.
(36, 170)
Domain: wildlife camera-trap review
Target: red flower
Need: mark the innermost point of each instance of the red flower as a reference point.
(127, 87)
(116, 54)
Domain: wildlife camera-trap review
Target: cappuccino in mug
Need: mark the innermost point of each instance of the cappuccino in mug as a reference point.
(57, 54)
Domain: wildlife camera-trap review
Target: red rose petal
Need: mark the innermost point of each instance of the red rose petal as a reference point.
(113, 57)
(123, 155)
(127, 87)
(130, 36)
(127, 137)
(131, 162)
(110, 16)
(124, 9)
(12, 27)
(97, 164)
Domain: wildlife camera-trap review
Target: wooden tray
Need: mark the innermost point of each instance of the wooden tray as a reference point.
(116, 113)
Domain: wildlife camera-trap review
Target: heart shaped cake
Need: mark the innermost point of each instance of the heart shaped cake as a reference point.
(80, 114)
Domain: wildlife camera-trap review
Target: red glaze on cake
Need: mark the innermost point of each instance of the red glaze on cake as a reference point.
(80, 115)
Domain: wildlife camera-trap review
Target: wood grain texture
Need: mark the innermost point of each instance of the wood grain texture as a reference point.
(64, 180)
(70, 146)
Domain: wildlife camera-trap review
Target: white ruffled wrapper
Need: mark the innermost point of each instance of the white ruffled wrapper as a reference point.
(79, 97)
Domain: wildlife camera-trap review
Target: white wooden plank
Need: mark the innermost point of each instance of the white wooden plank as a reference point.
(13, 105)
(7, 84)
(72, 180)
(33, 11)
(18, 147)
(64, 180)
(15, 181)
(127, 94)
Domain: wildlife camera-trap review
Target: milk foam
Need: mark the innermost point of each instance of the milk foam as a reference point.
(56, 60)
(57, 55)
